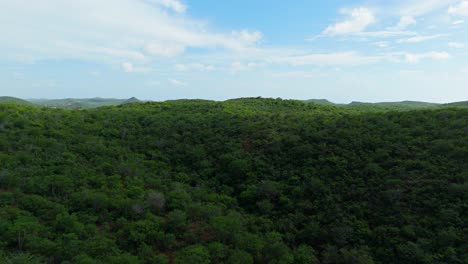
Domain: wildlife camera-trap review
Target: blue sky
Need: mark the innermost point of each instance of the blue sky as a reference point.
(369, 50)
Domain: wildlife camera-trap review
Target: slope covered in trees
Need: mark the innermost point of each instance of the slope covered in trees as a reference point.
(13, 100)
(241, 181)
(389, 106)
(72, 103)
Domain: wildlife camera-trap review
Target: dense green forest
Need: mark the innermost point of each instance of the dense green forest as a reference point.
(242, 181)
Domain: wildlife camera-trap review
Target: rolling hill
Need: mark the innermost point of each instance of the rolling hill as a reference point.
(388, 106)
(13, 100)
(71, 103)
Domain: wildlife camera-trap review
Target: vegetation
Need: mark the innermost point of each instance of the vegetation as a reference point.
(81, 103)
(13, 100)
(241, 181)
(71, 103)
(389, 106)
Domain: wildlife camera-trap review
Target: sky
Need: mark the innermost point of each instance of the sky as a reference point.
(350, 50)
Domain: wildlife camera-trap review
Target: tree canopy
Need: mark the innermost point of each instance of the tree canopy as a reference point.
(243, 181)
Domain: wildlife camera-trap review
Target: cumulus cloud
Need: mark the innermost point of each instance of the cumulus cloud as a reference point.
(461, 9)
(359, 19)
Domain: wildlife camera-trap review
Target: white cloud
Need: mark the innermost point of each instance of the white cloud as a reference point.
(418, 8)
(456, 45)
(250, 38)
(175, 82)
(382, 44)
(195, 67)
(406, 21)
(461, 9)
(108, 30)
(418, 39)
(359, 19)
(343, 58)
(165, 50)
(458, 22)
(434, 55)
(175, 5)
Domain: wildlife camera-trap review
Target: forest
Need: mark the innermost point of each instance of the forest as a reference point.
(243, 181)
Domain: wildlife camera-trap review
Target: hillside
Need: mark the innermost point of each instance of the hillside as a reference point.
(72, 103)
(388, 106)
(320, 102)
(458, 104)
(243, 181)
(13, 100)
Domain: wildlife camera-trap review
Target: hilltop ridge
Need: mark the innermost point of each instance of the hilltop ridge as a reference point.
(72, 103)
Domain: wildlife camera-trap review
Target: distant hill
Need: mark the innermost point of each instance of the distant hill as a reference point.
(413, 104)
(71, 103)
(388, 106)
(131, 100)
(271, 104)
(457, 104)
(392, 106)
(320, 101)
(13, 100)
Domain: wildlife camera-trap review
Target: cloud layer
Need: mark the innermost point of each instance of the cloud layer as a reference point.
(109, 29)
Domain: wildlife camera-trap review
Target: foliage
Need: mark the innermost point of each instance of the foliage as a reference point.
(242, 181)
